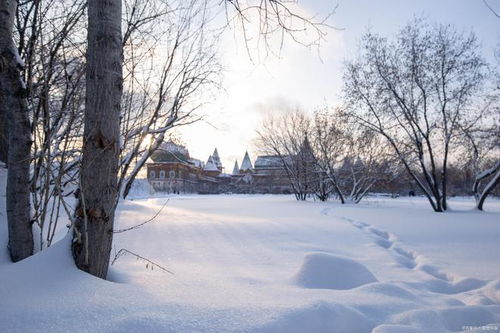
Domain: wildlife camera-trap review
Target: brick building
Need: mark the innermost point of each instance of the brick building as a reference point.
(172, 170)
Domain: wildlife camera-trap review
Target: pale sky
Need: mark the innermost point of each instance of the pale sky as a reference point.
(301, 77)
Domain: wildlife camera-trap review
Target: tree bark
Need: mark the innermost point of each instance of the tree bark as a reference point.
(494, 181)
(98, 182)
(4, 138)
(13, 106)
(489, 187)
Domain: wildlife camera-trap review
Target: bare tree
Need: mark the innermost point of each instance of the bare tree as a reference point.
(481, 141)
(286, 136)
(165, 92)
(14, 108)
(269, 23)
(365, 163)
(329, 143)
(50, 39)
(101, 144)
(416, 92)
(348, 154)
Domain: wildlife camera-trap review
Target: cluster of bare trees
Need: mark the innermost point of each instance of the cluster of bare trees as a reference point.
(88, 106)
(51, 42)
(423, 103)
(88, 90)
(326, 154)
(423, 94)
(286, 137)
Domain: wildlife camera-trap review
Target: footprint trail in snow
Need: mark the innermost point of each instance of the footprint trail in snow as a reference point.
(441, 281)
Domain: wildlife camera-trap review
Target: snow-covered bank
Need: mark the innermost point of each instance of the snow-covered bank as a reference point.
(271, 264)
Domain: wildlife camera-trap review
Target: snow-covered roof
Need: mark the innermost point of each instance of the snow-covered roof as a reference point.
(196, 162)
(236, 169)
(224, 175)
(268, 162)
(210, 166)
(172, 147)
(216, 159)
(246, 164)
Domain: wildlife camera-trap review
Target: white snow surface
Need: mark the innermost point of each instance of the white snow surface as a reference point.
(270, 264)
(325, 271)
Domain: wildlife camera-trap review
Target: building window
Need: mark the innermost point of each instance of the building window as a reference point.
(171, 174)
(152, 174)
(162, 173)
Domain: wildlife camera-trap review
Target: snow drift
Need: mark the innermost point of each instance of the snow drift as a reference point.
(326, 271)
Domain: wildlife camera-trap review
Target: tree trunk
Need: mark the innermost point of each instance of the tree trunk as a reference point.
(339, 193)
(98, 182)
(494, 181)
(444, 187)
(4, 138)
(489, 187)
(13, 106)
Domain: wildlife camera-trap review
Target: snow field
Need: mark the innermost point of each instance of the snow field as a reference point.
(271, 264)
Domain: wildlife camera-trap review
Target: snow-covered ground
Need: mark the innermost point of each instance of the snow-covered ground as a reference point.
(271, 264)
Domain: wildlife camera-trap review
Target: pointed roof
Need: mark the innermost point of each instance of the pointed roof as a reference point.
(215, 155)
(210, 159)
(306, 151)
(216, 159)
(246, 164)
(210, 166)
(236, 169)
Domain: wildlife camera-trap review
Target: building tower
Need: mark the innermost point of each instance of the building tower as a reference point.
(246, 165)
(236, 169)
(216, 159)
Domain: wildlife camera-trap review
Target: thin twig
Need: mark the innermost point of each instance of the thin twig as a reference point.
(142, 223)
(122, 252)
(491, 9)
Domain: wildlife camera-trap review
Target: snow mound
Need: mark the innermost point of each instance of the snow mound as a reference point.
(326, 271)
(454, 319)
(319, 317)
(396, 329)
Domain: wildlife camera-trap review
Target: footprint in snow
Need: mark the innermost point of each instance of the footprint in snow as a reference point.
(443, 283)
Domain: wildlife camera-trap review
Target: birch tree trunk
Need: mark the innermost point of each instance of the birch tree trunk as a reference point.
(13, 107)
(4, 138)
(98, 182)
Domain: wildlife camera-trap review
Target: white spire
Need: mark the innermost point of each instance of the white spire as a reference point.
(216, 159)
(246, 164)
(215, 155)
(210, 166)
(236, 169)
